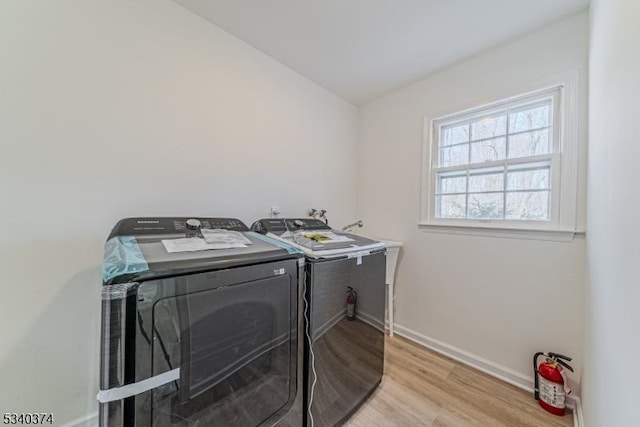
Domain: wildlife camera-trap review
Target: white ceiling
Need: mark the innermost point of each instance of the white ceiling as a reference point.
(361, 49)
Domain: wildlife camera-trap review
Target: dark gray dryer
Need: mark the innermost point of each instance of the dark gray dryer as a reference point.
(209, 338)
(345, 354)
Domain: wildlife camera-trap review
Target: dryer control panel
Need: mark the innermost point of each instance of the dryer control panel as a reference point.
(280, 225)
(172, 225)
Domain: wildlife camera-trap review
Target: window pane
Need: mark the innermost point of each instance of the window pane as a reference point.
(528, 205)
(532, 117)
(489, 127)
(486, 180)
(454, 156)
(452, 184)
(527, 177)
(454, 134)
(486, 206)
(485, 151)
(529, 144)
(451, 206)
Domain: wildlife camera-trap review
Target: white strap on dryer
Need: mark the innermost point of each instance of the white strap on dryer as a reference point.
(358, 256)
(119, 393)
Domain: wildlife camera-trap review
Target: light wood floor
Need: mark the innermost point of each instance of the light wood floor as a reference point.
(423, 388)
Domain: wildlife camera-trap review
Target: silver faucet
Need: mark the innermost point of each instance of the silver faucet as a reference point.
(358, 223)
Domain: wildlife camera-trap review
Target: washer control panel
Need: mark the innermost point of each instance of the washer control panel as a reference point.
(182, 224)
(172, 225)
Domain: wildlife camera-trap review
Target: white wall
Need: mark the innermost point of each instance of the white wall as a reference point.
(120, 108)
(612, 341)
(493, 301)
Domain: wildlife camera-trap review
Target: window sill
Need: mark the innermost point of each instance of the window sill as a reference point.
(502, 232)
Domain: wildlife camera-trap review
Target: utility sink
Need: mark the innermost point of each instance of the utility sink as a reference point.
(393, 254)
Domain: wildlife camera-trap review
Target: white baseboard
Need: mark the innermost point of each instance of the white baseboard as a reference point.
(578, 418)
(371, 321)
(503, 373)
(90, 420)
(496, 370)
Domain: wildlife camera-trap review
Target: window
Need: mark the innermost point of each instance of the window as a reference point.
(499, 166)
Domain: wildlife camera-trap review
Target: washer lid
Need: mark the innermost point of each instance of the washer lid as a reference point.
(319, 249)
(322, 240)
(140, 255)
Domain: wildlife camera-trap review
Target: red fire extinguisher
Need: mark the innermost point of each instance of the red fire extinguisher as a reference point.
(551, 388)
(352, 298)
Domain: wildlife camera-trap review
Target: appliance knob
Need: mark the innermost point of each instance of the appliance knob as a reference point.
(193, 224)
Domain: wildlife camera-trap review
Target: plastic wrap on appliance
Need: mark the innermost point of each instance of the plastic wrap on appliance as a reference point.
(289, 248)
(139, 387)
(122, 255)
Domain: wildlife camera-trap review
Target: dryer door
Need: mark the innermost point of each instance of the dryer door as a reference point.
(232, 335)
(350, 350)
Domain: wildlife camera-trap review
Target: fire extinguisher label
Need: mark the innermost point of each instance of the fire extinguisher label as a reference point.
(551, 393)
(350, 310)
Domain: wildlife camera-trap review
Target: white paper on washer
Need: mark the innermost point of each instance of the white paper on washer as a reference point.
(193, 244)
(224, 236)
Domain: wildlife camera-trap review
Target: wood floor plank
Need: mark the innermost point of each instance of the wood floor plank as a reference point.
(394, 402)
(423, 388)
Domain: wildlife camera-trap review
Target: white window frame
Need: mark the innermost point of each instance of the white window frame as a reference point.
(563, 160)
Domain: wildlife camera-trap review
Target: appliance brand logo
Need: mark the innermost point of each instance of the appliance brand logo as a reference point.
(148, 222)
